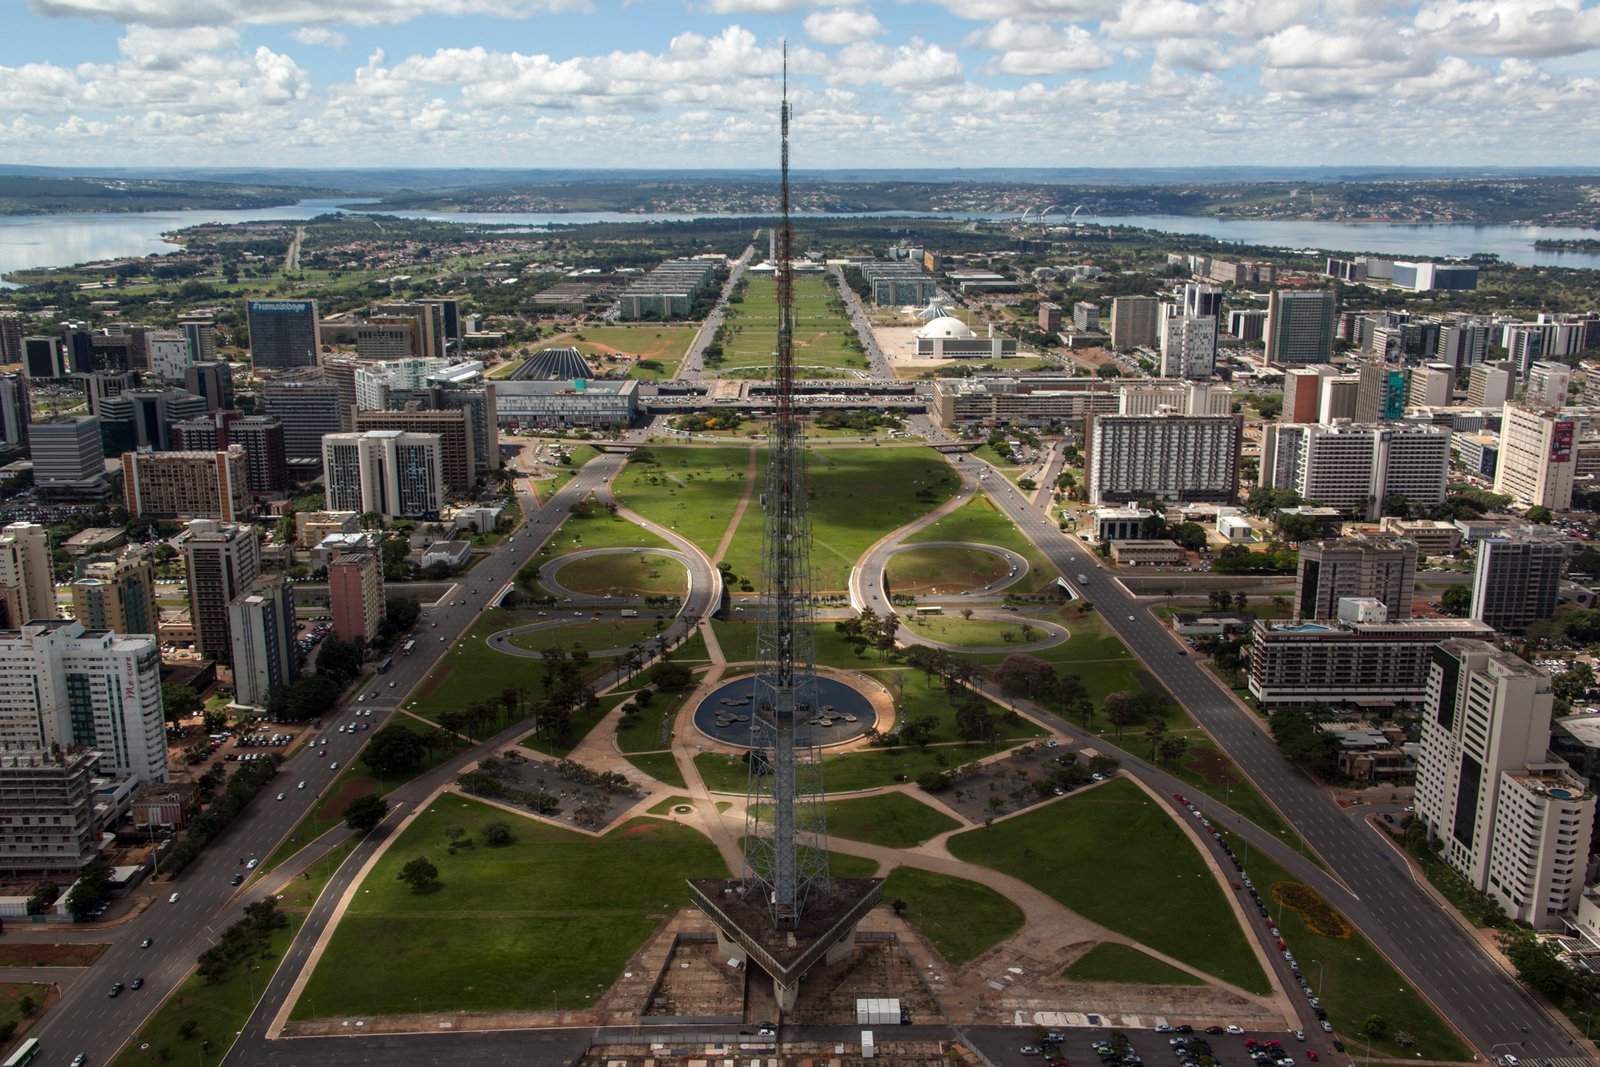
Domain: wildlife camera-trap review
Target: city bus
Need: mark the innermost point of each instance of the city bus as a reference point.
(386, 664)
(405, 649)
(25, 1052)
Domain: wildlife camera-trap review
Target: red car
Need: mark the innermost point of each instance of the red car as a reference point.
(1311, 1054)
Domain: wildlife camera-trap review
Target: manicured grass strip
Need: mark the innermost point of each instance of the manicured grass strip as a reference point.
(981, 522)
(1115, 856)
(963, 919)
(11, 994)
(862, 769)
(1353, 980)
(660, 766)
(943, 571)
(694, 490)
(892, 820)
(509, 928)
(666, 806)
(1111, 961)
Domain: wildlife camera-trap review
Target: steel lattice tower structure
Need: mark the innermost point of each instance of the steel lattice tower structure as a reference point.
(784, 913)
(785, 844)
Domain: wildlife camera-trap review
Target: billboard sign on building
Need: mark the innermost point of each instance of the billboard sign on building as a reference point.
(1561, 442)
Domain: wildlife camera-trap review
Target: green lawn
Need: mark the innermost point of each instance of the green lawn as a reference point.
(475, 672)
(220, 1009)
(862, 769)
(11, 994)
(599, 530)
(824, 340)
(641, 731)
(973, 633)
(658, 765)
(981, 522)
(1111, 961)
(510, 928)
(943, 571)
(963, 919)
(857, 496)
(637, 574)
(583, 633)
(893, 820)
(1117, 858)
(692, 490)
(1354, 981)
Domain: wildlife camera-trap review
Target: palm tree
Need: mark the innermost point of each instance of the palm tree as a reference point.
(1153, 734)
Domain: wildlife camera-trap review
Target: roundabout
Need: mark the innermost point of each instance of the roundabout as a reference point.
(584, 560)
(843, 713)
(929, 631)
(969, 577)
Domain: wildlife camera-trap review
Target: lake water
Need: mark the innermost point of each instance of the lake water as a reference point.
(32, 241)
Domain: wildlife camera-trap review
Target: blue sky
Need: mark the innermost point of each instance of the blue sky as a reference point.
(885, 83)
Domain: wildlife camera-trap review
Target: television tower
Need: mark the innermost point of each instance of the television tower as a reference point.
(785, 913)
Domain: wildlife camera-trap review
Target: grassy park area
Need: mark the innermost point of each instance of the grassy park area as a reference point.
(824, 340)
(583, 633)
(962, 919)
(1111, 961)
(893, 820)
(943, 571)
(976, 633)
(1157, 889)
(691, 490)
(636, 574)
(508, 928)
(848, 772)
(981, 522)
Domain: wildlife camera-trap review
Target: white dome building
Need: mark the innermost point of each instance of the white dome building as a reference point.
(946, 327)
(947, 337)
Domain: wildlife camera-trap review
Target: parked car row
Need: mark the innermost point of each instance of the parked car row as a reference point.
(263, 740)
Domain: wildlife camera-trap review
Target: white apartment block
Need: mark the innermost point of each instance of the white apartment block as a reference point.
(1536, 456)
(27, 585)
(1188, 458)
(64, 686)
(1514, 822)
(1188, 346)
(261, 625)
(1155, 396)
(394, 473)
(1355, 466)
(1547, 385)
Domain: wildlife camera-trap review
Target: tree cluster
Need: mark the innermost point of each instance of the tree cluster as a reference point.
(244, 940)
(1313, 751)
(246, 782)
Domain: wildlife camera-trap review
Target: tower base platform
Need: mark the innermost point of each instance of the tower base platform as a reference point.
(745, 930)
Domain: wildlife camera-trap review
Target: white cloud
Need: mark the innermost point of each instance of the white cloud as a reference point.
(320, 12)
(991, 10)
(1037, 48)
(842, 26)
(915, 65)
(1512, 27)
(320, 35)
(764, 7)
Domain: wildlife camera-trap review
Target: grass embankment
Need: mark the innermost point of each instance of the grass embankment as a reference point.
(1158, 889)
(943, 571)
(691, 490)
(509, 928)
(981, 522)
(1112, 961)
(893, 820)
(824, 340)
(637, 574)
(962, 919)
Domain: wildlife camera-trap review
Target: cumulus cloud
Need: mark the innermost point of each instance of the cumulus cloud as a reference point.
(320, 35)
(1036, 48)
(1512, 27)
(842, 26)
(246, 12)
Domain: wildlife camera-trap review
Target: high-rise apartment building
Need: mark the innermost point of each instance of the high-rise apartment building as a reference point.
(1513, 820)
(1490, 384)
(1379, 568)
(457, 443)
(477, 402)
(1189, 458)
(201, 334)
(63, 685)
(15, 412)
(1536, 456)
(1299, 326)
(11, 334)
(261, 629)
(429, 320)
(1188, 346)
(309, 409)
(1357, 467)
(1302, 392)
(27, 583)
(1463, 344)
(391, 472)
(1547, 385)
(47, 823)
(1049, 317)
(1431, 385)
(116, 593)
(187, 485)
(170, 354)
(1380, 392)
(1248, 324)
(1135, 321)
(1518, 577)
(283, 333)
(68, 454)
(355, 595)
(211, 382)
(222, 559)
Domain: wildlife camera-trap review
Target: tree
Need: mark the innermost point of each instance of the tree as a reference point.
(670, 675)
(402, 612)
(975, 719)
(339, 659)
(1540, 514)
(420, 874)
(395, 750)
(180, 702)
(1154, 733)
(91, 889)
(1123, 708)
(1375, 1026)
(495, 834)
(1173, 749)
(1295, 528)
(1020, 674)
(1456, 600)
(1190, 535)
(365, 812)
(1571, 684)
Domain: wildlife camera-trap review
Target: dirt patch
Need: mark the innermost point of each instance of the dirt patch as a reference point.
(334, 806)
(430, 685)
(22, 954)
(1212, 766)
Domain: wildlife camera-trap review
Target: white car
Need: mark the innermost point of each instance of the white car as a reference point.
(333, 766)
(280, 796)
(302, 785)
(173, 899)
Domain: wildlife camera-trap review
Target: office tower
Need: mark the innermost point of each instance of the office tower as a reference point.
(205, 433)
(1357, 467)
(136, 339)
(11, 347)
(15, 411)
(342, 371)
(1149, 397)
(1135, 321)
(102, 386)
(1202, 301)
(27, 580)
(170, 354)
(1338, 398)
(1049, 317)
(187, 485)
(355, 595)
(67, 453)
(1302, 392)
(457, 442)
(309, 410)
(77, 348)
(1188, 346)
(1086, 316)
(47, 816)
(1431, 386)
(1536, 456)
(449, 314)
(116, 593)
(477, 402)
(1463, 344)
(201, 333)
(373, 383)
(429, 319)
(283, 334)
(381, 340)
(390, 472)
(1379, 568)
(223, 559)
(1547, 385)
(1490, 384)
(266, 455)
(1518, 577)
(1299, 326)
(1380, 392)
(1189, 458)
(1249, 324)
(212, 382)
(90, 688)
(1512, 819)
(43, 358)
(261, 629)
(143, 418)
